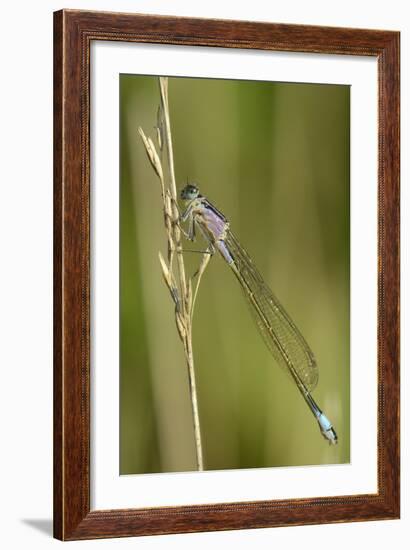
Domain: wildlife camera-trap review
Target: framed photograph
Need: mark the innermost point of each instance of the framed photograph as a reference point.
(226, 275)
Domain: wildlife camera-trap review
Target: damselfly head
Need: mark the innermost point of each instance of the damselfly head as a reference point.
(189, 192)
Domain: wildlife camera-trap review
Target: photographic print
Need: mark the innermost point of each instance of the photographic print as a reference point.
(226, 275)
(234, 274)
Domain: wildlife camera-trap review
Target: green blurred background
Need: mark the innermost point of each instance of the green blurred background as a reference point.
(274, 158)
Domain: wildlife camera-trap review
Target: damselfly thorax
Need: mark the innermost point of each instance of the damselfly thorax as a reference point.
(211, 222)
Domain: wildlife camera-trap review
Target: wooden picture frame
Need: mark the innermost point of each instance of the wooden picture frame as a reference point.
(74, 32)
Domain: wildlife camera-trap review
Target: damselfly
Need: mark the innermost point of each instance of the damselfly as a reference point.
(279, 332)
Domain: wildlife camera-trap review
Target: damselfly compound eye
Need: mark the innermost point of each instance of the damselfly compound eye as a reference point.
(189, 192)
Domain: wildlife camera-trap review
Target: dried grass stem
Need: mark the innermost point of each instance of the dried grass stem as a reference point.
(179, 286)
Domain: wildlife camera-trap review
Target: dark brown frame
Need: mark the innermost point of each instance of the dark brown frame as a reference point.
(73, 33)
